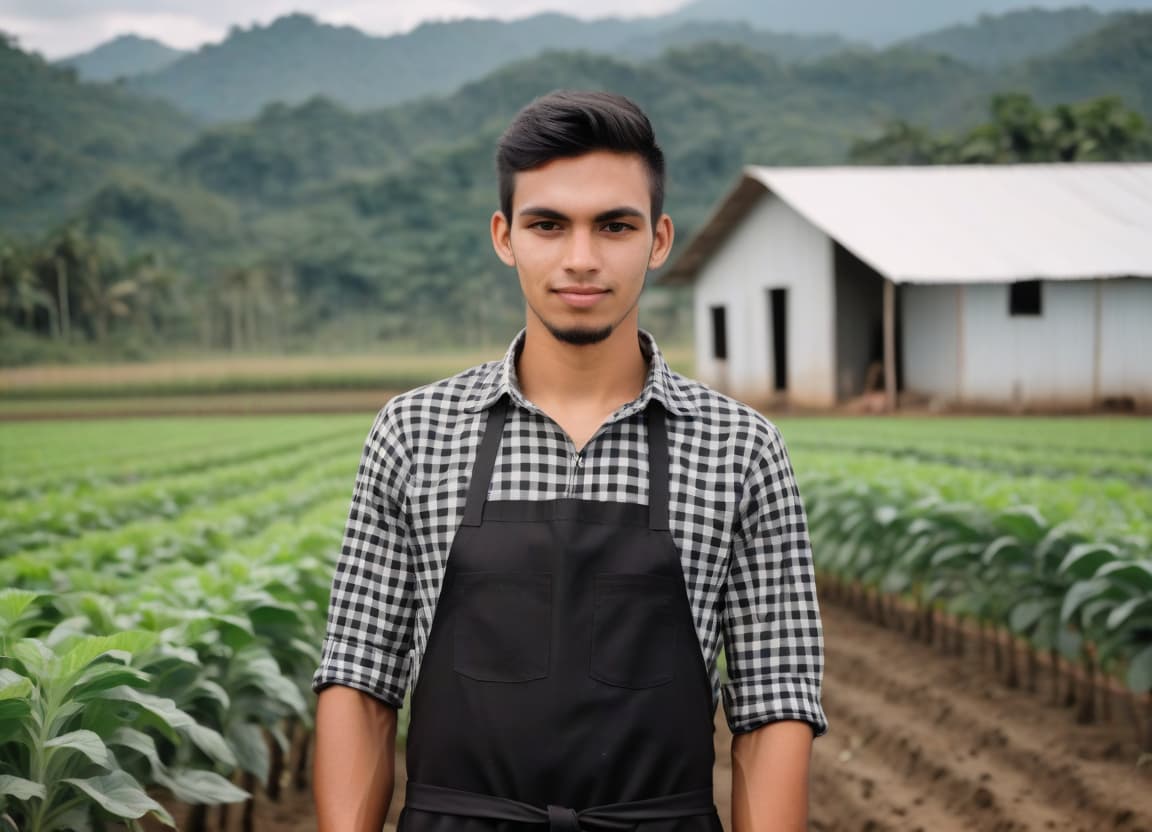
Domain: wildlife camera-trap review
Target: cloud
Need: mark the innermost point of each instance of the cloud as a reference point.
(63, 27)
(183, 31)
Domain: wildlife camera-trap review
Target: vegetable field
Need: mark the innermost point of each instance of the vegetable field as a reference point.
(163, 585)
(1031, 540)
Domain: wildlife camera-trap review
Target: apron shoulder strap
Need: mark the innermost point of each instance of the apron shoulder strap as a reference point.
(657, 467)
(485, 463)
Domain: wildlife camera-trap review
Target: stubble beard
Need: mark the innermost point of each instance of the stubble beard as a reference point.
(579, 337)
(587, 336)
(584, 336)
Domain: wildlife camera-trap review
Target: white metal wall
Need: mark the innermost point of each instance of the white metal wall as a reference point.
(1126, 339)
(930, 340)
(1035, 361)
(979, 354)
(773, 247)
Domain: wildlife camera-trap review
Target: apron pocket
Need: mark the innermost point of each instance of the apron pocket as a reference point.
(503, 626)
(633, 637)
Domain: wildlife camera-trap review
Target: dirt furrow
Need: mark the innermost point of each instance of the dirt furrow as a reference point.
(909, 719)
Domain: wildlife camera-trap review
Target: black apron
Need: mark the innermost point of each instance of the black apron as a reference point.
(563, 681)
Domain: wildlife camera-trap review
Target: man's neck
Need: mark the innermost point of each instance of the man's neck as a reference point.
(603, 376)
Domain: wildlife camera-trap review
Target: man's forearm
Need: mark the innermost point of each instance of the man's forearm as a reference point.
(353, 767)
(770, 778)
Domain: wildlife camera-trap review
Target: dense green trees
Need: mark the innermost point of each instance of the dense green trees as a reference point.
(77, 293)
(275, 233)
(1020, 131)
(74, 287)
(59, 137)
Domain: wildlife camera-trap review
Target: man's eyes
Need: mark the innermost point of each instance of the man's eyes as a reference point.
(612, 227)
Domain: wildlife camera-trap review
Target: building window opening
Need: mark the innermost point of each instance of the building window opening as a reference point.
(719, 334)
(1024, 299)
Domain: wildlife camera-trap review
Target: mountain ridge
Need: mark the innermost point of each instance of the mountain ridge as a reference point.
(881, 22)
(122, 56)
(296, 56)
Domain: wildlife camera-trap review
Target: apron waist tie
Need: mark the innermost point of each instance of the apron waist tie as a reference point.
(614, 817)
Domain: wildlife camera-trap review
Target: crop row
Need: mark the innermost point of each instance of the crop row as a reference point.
(1051, 579)
(1134, 470)
(38, 461)
(1100, 438)
(1109, 508)
(170, 655)
(35, 523)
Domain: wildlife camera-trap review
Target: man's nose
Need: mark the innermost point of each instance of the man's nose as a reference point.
(580, 254)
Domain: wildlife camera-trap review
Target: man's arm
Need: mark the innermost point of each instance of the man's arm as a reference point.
(363, 673)
(353, 767)
(774, 646)
(770, 778)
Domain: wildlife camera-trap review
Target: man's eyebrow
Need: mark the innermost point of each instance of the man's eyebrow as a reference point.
(619, 213)
(604, 216)
(545, 213)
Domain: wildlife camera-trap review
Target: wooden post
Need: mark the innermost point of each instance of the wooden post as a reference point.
(960, 343)
(889, 345)
(1097, 337)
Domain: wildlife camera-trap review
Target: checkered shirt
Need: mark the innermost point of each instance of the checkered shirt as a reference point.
(735, 513)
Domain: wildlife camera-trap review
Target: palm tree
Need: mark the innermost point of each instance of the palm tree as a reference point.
(22, 292)
(104, 292)
(153, 281)
(247, 293)
(68, 249)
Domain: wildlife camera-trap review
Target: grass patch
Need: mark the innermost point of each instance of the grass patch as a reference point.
(242, 375)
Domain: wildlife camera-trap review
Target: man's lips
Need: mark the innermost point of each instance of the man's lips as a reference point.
(581, 296)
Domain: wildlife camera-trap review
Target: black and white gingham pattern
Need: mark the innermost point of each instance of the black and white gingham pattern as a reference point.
(735, 511)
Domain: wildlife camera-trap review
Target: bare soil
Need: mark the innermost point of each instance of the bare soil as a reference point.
(231, 404)
(921, 741)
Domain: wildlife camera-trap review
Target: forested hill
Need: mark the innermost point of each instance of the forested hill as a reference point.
(386, 211)
(1117, 58)
(59, 137)
(996, 40)
(878, 21)
(296, 57)
(122, 57)
(716, 106)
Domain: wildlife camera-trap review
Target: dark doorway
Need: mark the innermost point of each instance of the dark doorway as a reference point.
(719, 334)
(778, 316)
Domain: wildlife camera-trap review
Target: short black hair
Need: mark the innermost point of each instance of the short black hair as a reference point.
(569, 123)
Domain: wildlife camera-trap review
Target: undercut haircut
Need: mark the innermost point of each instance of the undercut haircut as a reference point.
(569, 123)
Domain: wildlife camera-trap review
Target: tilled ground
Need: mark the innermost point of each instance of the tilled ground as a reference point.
(920, 741)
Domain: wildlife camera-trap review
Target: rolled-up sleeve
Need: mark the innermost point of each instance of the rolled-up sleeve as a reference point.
(371, 614)
(773, 637)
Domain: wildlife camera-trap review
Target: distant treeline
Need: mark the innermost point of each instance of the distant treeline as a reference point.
(129, 227)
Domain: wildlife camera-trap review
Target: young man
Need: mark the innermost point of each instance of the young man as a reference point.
(550, 548)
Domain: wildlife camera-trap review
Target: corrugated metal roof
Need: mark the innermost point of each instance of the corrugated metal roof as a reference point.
(958, 224)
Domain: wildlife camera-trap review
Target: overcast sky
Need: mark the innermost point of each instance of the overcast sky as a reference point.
(62, 27)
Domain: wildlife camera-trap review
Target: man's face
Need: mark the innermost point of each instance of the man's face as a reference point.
(581, 238)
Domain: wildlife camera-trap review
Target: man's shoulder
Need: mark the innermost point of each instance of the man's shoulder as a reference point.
(717, 412)
(443, 400)
(724, 423)
(439, 405)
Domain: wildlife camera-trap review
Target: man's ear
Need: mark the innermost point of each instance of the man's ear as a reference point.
(502, 238)
(662, 237)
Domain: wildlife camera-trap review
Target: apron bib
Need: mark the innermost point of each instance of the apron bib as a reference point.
(563, 682)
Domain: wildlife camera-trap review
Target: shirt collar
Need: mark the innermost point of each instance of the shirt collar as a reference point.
(661, 384)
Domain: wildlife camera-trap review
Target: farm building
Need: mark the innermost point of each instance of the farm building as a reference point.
(1022, 286)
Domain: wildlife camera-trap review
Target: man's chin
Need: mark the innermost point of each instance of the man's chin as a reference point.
(580, 336)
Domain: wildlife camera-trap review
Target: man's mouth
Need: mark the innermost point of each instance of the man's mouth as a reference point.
(581, 296)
